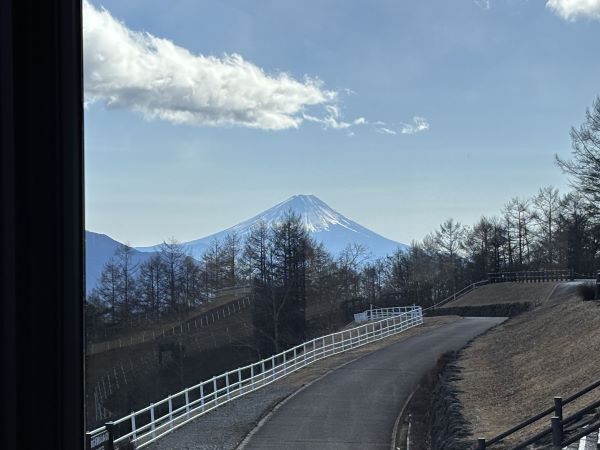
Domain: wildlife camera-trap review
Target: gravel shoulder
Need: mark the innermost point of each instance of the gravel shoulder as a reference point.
(226, 427)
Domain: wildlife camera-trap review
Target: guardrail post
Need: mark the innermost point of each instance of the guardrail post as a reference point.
(152, 425)
(187, 403)
(558, 407)
(597, 295)
(557, 432)
(202, 396)
(110, 427)
(98, 441)
(214, 392)
(227, 384)
(88, 440)
(481, 444)
(133, 425)
(273, 366)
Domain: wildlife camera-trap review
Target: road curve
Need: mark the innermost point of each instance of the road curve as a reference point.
(355, 406)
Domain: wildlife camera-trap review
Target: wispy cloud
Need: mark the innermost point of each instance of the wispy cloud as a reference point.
(574, 9)
(333, 119)
(159, 79)
(483, 4)
(419, 124)
(387, 131)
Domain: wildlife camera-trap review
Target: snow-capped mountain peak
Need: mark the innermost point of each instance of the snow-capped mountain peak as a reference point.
(315, 214)
(324, 224)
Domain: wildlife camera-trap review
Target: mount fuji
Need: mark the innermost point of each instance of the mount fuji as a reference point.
(324, 224)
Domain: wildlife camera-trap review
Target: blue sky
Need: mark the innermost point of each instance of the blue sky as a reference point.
(495, 87)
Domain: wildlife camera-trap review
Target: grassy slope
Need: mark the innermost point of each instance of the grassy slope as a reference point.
(506, 293)
(516, 369)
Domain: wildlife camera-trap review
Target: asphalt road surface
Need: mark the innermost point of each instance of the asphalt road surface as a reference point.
(356, 406)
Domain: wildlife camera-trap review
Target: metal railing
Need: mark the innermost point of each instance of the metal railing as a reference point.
(558, 430)
(381, 313)
(151, 423)
(531, 276)
(457, 294)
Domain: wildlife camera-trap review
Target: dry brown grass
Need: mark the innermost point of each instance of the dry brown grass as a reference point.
(492, 294)
(515, 370)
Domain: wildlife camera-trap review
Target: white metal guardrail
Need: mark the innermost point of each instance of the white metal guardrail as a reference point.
(382, 313)
(458, 294)
(151, 423)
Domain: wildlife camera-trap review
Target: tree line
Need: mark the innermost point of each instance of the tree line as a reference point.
(547, 230)
(290, 273)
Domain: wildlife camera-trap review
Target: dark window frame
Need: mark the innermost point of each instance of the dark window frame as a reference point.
(42, 227)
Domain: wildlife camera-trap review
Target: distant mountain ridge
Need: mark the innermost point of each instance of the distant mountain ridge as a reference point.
(99, 249)
(323, 223)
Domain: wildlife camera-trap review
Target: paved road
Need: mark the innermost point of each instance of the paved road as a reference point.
(355, 407)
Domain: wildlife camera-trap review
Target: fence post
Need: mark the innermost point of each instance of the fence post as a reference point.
(170, 412)
(558, 407)
(111, 428)
(133, 425)
(152, 425)
(187, 403)
(597, 295)
(227, 384)
(273, 365)
(481, 444)
(215, 394)
(202, 396)
(557, 432)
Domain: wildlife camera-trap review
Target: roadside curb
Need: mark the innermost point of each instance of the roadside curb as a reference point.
(397, 422)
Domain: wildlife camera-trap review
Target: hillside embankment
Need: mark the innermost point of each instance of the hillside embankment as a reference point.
(502, 293)
(135, 368)
(515, 370)
(499, 300)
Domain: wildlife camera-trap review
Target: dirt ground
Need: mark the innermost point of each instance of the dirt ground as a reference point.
(515, 370)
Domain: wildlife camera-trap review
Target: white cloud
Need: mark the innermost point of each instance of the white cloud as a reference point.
(419, 124)
(333, 119)
(153, 76)
(483, 4)
(386, 131)
(574, 9)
